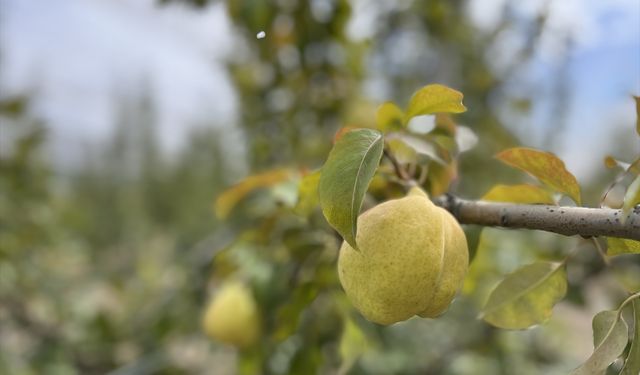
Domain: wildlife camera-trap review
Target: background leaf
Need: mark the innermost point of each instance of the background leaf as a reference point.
(404, 153)
(525, 193)
(233, 195)
(389, 117)
(526, 296)
(632, 364)
(545, 166)
(617, 246)
(610, 337)
(308, 193)
(440, 177)
(466, 139)
(345, 177)
(420, 146)
(353, 344)
(434, 99)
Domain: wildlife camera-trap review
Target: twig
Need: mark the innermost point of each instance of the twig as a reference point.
(601, 251)
(568, 221)
(396, 166)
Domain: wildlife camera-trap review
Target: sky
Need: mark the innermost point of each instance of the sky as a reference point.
(74, 57)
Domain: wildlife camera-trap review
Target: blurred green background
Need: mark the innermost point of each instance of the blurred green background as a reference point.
(109, 244)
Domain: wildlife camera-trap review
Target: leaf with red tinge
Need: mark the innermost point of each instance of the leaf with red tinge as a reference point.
(434, 99)
(546, 167)
(233, 195)
(610, 162)
(341, 132)
(525, 193)
(345, 178)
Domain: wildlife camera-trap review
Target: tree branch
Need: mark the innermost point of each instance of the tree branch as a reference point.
(568, 221)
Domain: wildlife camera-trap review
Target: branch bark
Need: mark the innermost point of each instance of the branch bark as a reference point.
(568, 221)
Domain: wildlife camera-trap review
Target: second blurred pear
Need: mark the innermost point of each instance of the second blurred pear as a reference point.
(232, 316)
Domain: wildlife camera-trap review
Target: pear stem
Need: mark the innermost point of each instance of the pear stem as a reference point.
(568, 221)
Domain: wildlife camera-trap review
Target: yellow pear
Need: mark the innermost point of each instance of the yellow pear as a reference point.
(232, 316)
(411, 260)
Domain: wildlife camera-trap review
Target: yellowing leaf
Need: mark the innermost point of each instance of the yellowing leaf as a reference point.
(619, 246)
(434, 99)
(545, 166)
(632, 364)
(526, 297)
(610, 162)
(345, 177)
(440, 177)
(233, 195)
(308, 193)
(527, 194)
(610, 337)
(389, 117)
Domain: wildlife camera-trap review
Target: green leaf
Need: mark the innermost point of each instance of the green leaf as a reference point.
(632, 364)
(289, 314)
(545, 166)
(308, 193)
(434, 99)
(345, 177)
(389, 117)
(631, 197)
(526, 296)
(526, 194)
(353, 344)
(610, 336)
(617, 246)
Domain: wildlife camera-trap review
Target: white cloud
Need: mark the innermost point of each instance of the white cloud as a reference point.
(74, 56)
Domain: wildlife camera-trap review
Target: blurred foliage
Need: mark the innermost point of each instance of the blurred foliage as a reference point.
(107, 269)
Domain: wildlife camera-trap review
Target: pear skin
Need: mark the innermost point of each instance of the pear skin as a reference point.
(232, 316)
(412, 259)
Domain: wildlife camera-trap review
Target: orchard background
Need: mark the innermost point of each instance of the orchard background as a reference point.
(151, 151)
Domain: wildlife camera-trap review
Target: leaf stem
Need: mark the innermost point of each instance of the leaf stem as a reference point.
(626, 301)
(601, 251)
(400, 172)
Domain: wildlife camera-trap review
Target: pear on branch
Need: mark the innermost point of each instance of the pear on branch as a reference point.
(411, 260)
